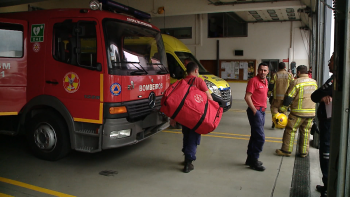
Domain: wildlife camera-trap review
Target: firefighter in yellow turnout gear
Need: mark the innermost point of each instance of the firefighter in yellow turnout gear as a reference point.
(278, 87)
(301, 115)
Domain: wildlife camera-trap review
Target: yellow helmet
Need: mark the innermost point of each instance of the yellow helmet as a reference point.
(280, 120)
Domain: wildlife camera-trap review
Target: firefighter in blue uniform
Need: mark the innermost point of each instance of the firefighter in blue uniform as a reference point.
(190, 138)
(323, 95)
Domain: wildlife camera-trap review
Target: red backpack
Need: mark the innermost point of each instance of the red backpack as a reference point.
(189, 106)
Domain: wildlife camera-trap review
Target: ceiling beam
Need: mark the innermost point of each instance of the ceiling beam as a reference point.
(6, 3)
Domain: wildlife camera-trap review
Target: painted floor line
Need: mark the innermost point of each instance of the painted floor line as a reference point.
(35, 188)
(5, 195)
(222, 136)
(220, 133)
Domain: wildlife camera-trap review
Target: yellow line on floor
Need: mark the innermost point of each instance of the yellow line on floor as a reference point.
(277, 138)
(5, 195)
(35, 188)
(210, 135)
(220, 133)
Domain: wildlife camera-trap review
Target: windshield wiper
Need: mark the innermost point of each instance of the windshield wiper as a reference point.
(140, 71)
(162, 70)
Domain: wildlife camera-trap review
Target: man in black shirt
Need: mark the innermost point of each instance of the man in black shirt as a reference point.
(323, 95)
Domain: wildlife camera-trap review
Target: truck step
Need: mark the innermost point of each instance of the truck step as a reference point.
(88, 149)
(87, 132)
(5, 132)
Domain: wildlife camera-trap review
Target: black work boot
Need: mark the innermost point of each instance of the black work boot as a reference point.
(273, 125)
(255, 165)
(188, 166)
(320, 188)
(249, 159)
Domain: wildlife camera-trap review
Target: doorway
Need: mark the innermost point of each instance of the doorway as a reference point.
(273, 66)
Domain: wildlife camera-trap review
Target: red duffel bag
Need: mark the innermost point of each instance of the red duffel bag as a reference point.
(189, 106)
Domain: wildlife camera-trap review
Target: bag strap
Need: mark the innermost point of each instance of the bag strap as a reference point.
(217, 114)
(182, 101)
(202, 118)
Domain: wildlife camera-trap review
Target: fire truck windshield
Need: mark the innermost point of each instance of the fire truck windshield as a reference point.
(134, 49)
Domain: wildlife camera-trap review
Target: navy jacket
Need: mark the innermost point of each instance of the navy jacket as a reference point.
(325, 90)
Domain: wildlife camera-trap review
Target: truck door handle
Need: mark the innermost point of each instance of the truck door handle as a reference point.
(52, 82)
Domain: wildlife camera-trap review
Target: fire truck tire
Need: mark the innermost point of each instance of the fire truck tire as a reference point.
(48, 136)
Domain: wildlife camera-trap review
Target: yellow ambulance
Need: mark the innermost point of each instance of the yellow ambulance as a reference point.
(176, 53)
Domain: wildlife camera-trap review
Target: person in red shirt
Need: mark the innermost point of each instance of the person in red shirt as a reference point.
(310, 72)
(190, 138)
(256, 97)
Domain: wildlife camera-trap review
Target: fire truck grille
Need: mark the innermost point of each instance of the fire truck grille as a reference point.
(139, 109)
(225, 94)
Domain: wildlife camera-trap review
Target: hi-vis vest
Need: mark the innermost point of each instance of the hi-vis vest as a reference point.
(299, 94)
(281, 81)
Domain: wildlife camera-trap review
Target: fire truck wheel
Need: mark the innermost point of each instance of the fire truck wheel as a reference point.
(48, 136)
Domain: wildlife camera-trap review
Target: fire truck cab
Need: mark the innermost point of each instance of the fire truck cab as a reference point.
(71, 79)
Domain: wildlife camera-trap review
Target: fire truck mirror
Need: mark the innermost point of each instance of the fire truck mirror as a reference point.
(78, 31)
(99, 67)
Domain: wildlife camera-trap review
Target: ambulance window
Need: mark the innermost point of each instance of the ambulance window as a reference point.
(11, 36)
(67, 45)
(174, 67)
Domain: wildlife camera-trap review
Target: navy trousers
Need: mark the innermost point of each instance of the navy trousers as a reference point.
(190, 141)
(257, 136)
(325, 138)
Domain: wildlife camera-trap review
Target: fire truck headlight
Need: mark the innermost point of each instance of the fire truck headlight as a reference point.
(94, 5)
(120, 134)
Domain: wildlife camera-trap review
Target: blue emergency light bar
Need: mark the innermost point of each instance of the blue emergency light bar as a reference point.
(120, 8)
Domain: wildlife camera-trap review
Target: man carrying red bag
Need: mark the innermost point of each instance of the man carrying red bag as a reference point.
(190, 138)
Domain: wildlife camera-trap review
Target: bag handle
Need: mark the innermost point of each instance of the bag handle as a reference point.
(166, 97)
(182, 101)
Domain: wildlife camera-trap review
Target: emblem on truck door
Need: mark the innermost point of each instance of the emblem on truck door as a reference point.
(71, 82)
(116, 89)
(152, 100)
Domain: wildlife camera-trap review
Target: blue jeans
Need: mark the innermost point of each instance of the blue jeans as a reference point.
(190, 141)
(257, 136)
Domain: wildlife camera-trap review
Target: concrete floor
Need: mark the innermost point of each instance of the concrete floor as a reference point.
(153, 167)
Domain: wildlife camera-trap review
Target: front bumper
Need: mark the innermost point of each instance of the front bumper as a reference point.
(140, 130)
(225, 104)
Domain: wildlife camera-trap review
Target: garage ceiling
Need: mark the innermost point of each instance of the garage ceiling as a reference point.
(252, 11)
(264, 14)
(287, 14)
(5, 3)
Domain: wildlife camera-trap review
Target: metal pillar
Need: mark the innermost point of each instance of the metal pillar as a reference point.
(339, 169)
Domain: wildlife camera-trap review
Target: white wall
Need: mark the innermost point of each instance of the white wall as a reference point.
(264, 41)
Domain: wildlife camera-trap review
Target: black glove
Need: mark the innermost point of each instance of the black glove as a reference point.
(270, 99)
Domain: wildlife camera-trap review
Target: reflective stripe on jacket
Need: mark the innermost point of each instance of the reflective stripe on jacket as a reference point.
(281, 81)
(299, 95)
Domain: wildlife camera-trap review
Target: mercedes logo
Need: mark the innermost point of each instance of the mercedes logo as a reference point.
(152, 100)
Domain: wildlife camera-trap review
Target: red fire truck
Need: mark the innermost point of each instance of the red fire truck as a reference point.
(80, 79)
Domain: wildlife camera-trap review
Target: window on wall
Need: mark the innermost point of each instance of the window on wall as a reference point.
(179, 33)
(11, 36)
(226, 24)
